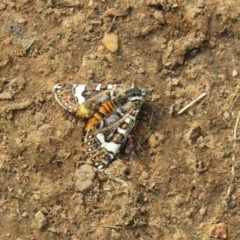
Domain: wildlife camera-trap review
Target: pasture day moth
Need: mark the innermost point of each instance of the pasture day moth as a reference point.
(111, 111)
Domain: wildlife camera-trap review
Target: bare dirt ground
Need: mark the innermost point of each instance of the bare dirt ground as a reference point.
(184, 182)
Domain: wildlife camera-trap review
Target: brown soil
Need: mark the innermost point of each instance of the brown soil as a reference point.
(181, 184)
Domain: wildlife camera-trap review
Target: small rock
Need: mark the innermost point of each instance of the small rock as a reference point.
(226, 115)
(84, 176)
(175, 82)
(90, 3)
(86, 172)
(27, 41)
(68, 3)
(159, 17)
(144, 175)
(110, 41)
(155, 97)
(24, 166)
(2, 6)
(40, 117)
(78, 198)
(155, 139)
(202, 211)
(11, 4)
(232, 205)
(6, 95)
(19, 141)
(21, 20)
(25, 214)
(20, 192)
(53, 230)
(36, 196)
(109, 57)
(56, 209)
(234, 73)
(47, 129)
(40, 219)
(100, 49)
(219, 230)
(84, 186)
(116, 13)
(189, 212)
(44, 210)
(173, 167)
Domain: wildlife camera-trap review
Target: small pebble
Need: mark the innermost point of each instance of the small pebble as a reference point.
(57, 209)
(155, 139)
(44, 210)
(2, 6)
(36, 196)
(4, 138)
(144, 175)
(21, 20)
(84, 178)
(226, 115)
(189, 213)
(90, 3)
(100, 49)
(47, 129)
(232, 205)
(175, 81)
(20, 192)
(218, 230)
(53, 230)
(19, 141)
(202, 211)
(70, 3)
(27, 41)
(6, 95)
(24, 166)
(159, 16)
(84, 186)
(234, 73)
(24, 214)
(40, 220)
(110, 41)
(40, 117)
(86, 172)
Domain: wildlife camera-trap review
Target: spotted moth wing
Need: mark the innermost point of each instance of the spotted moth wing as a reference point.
(84, 99)
(105, 139)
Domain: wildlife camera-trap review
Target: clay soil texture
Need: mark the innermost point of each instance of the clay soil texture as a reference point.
(181, 181)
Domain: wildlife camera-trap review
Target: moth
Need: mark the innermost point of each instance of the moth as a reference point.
(111, 111)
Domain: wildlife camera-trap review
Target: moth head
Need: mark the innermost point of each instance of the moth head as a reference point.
(135, 94)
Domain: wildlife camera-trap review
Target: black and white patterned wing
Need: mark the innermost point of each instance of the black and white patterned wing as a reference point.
(105, 139)
(85, 99)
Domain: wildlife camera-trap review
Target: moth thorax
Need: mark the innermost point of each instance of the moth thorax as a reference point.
(136, 98)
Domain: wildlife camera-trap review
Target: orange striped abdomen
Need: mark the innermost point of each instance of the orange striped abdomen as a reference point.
(105, 109)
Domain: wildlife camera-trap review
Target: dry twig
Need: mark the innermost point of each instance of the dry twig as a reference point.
(235, 138)
(110, 176)
(134, 69)
(111, 25)
(236, 98)
(115, 227)
(192, 103)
